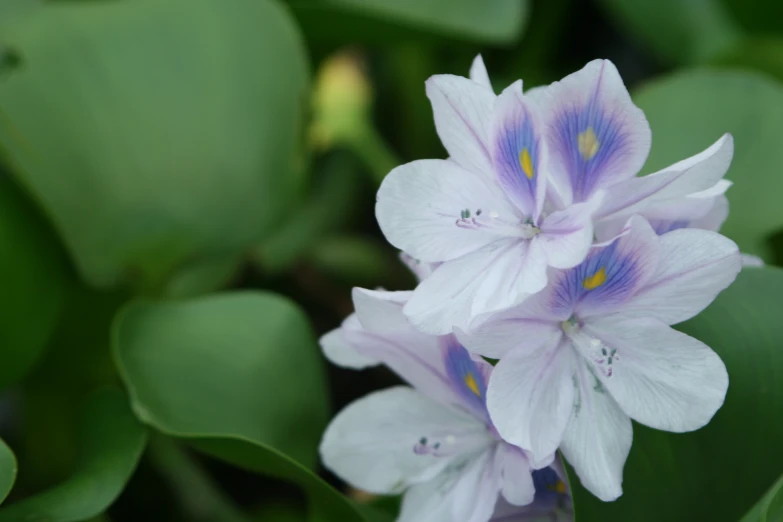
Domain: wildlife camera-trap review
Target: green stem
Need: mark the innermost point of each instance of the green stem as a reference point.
(195, 490)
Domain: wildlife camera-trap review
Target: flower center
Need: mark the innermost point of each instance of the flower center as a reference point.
(449, 444)
(491, 221)
(594, 350)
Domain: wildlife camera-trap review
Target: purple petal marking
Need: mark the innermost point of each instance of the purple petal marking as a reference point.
(589, 140)
(517, 154)
(662, 226)
(465, 376)
(607, 277)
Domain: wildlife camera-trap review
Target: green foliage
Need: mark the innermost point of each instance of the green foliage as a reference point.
(770, 507)
(7, 470)
(500, 21)
(154, 151)
(181, 214)
(238, 375)
(677, 31)
(111, 443)
(689, 111)
(697, 476)
(32, 270)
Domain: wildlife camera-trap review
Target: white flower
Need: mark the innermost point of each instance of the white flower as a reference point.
(594, 350)
(434, 441)
(528, 181)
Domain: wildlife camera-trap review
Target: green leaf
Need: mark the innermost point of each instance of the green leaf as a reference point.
(112, 441)
(717, 472)
(689, 111)
(499, 21)
(358, 261)
(239, 375)
(677, 31)
(770, 507)
(32, 272)
(156, 132)
(759, 16)
(7, 470)
(762, 53)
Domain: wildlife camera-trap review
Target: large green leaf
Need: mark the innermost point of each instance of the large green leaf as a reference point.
(718, 472)
(690, 31)
(155, 132)
(111, 442)
(770, 507)
(498, 21)
(239, 375)
(7, 470)
(689, 111)
(32, 272)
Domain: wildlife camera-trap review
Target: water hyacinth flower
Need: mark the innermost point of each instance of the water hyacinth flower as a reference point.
(529, 180)
(594, 350)
(433, 441)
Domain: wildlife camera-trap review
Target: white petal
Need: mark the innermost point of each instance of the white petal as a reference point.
(420, 269)
(463, 111)
(693, 268)
(661, 377)
(389, 338)
(751, 260)
(518, 488)
(566, 235)
(420, 204)
(506, 331)
(466, 492)
(478, 72)
(530, 398)
(342, 353)
(485, 281)
(695, 174)
(476, 491)
(598, 438)
(370, 444)
(380, 311)
(715, 218)
(429, 502)
(596, 135)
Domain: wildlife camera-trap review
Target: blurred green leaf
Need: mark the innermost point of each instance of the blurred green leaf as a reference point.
(357, 261)
(770, 507)
(202, 277)
(112, 441)
(76, 362)
(717, 472)
(239, 375)
(499, 21)
(763, 53)
(332, 204)
(156, 132)
(197, 493)
(760, 16)
(677, 31)
(689, 111)
(32, 272)
(7, 470)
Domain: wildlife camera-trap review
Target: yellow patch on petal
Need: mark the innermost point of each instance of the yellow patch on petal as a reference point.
(588, 143)
(470, 382)
(595, 280)
(526, 163)
(558, 487)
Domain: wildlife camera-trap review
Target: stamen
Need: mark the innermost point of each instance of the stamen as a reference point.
(591, 348)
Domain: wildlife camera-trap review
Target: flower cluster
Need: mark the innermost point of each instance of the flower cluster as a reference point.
(536, 245)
